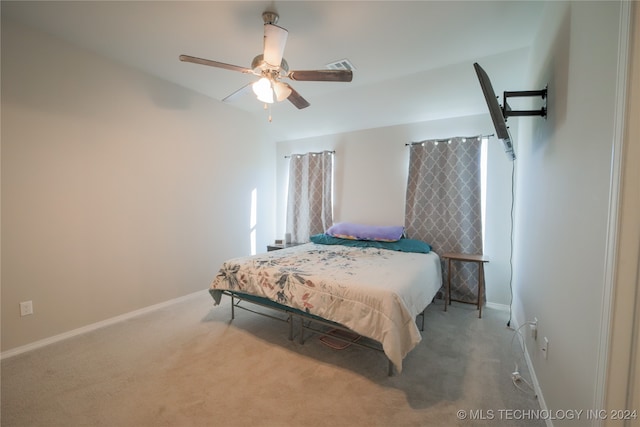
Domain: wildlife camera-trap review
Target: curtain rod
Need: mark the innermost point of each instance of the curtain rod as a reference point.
(320, 152)
(447, 139)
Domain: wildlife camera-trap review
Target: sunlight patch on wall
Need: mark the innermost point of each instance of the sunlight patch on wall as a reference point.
(483, 185)
(253, 220)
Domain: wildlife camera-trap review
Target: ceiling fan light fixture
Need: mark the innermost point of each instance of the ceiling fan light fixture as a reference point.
(282, 91)
(263, 90)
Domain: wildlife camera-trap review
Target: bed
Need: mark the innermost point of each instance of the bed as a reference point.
(376, 289)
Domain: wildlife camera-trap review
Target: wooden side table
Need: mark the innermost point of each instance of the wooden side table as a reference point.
(478, 259)
(278, 246)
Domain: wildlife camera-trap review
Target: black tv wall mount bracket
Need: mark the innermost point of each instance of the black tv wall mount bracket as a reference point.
(508, 112)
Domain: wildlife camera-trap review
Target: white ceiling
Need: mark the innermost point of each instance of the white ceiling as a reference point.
(413, 59)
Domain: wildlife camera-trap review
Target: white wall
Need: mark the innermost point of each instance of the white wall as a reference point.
(119, 190)
(371, 168)
(563, 191)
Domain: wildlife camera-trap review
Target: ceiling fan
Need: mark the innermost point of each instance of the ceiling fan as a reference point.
(271, 67)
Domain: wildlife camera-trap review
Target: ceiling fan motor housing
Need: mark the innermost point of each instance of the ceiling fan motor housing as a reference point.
(270, 17)
(259, 66)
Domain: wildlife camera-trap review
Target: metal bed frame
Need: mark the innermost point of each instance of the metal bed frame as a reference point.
(291, 313)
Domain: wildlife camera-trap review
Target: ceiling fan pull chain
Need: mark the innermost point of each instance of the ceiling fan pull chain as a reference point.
(268, 106)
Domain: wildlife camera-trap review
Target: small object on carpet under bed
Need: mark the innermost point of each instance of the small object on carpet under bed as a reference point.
(343, 340)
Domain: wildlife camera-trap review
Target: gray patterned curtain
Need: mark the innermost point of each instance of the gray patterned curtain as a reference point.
(309, 203)
(443, 204)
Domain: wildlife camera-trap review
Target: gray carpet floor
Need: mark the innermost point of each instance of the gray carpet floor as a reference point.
(190, 365)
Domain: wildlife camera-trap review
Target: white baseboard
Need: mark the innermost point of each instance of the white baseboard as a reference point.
(92, 327)
(496, 306)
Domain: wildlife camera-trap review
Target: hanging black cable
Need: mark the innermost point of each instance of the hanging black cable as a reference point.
(513, 196)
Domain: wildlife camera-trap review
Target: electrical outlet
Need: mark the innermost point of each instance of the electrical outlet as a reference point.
(534, 328)
(26, 308)
(545, 348)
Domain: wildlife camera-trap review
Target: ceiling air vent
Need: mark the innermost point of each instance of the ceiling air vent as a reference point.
(343, 64)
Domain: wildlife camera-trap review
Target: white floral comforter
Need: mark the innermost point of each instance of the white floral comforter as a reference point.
(376, 293)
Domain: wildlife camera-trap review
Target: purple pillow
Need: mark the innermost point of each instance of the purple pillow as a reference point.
(347, 230)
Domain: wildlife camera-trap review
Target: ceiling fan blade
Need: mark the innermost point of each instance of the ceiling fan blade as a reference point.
(321, 75)
(193, 59)
(296, 99)
(275, 39)
(244, 90)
